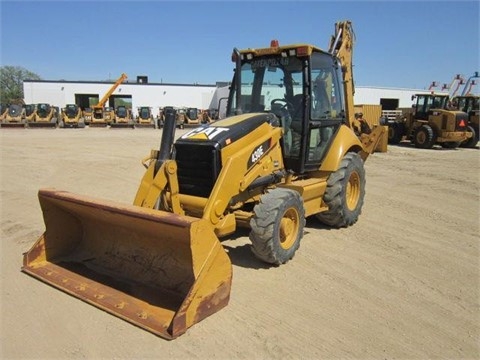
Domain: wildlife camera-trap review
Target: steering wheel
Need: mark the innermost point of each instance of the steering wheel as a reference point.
(288, 105)
(283, 113)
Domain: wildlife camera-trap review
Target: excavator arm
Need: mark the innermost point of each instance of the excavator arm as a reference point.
(341, 46)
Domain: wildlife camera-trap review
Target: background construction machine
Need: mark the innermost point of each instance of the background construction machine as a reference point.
(286, 151)
(209, 116)
(430, 122)
(193, 116)
(123, 118)
(101, 115)
(3, 112)
(72, 117)
(87, 115)
(14, 116)
(45, 115)
(470, 104)
(30, 112)
(144, 117)
(178, 113)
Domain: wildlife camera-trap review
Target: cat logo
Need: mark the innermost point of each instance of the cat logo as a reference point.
(204, 133)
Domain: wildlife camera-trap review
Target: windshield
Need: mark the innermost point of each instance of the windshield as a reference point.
(15, 110)
(192, 113)
(268, 80)
(43, 109)
(144, 113)
(71, 110)
(122, 111)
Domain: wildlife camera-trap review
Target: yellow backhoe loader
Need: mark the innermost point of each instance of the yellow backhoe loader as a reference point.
(14, 116)
(286, 151)
(72, 117)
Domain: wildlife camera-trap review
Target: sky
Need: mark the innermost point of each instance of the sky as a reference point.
(401, 44)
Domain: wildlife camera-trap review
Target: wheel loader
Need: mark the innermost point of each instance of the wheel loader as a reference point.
(72, 117)
(430, 123)
(470, 104)
(285, 152)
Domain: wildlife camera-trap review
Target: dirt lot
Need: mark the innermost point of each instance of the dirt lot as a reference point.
(401, 283)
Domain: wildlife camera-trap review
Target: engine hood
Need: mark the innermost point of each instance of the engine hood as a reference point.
(226, 131)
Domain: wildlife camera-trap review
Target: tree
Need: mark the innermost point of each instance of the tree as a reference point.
(11, 83)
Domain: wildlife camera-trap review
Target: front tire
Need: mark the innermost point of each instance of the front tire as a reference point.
(277, 226)
(424, 137)
(345, 193)
(471, 142)
(395, 133)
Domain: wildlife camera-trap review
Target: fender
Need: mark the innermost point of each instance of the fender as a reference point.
(344, 141)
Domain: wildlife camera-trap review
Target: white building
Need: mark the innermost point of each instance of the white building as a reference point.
(86, 93)
(156, 95)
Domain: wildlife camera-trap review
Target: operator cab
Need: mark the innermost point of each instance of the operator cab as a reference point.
(428, 102)
(301, 85)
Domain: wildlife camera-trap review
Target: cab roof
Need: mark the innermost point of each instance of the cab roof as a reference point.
(275, 49)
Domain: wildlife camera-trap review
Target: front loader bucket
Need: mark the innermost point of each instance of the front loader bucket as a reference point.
(155, 269)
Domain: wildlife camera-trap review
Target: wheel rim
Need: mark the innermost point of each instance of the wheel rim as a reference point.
(421, 137)
(289, 228)
(353, 190)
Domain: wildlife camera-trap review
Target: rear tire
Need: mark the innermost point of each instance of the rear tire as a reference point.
(277, 226)
(424, 137)
(395, 133)
(345, 193)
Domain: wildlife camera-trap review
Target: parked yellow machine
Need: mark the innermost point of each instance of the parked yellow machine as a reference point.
(470, 104)
(3, 112)
(30, 112)
(14, 116)
(45, 115)
(101, 115)
(144, 117)
(209, 116)
(193, 116)
(122, 118)
(87, 115)
(72, 117)
(286, 151)
(430, 123)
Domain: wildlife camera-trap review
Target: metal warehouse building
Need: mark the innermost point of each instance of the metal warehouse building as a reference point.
(156, 95)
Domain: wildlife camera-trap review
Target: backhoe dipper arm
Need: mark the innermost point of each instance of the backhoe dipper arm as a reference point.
(341, 46)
